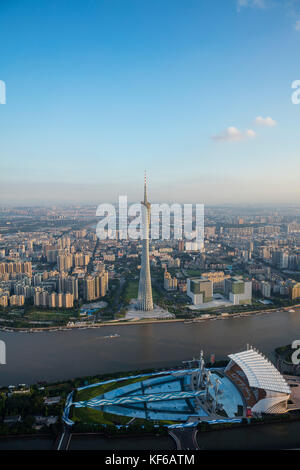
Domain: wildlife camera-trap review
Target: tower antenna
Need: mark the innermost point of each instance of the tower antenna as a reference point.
(145, 187)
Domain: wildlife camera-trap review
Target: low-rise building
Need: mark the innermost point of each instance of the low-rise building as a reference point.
(52, 400)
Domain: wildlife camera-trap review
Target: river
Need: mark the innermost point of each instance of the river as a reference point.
(59, 355)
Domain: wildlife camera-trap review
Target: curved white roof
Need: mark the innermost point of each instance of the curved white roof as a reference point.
(260, 372)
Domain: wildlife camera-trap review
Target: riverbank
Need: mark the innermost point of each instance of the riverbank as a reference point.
(275, 436)
(201, 318)
(90, 441)
(27, 442)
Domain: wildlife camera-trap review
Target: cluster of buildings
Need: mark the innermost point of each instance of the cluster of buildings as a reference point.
(50, 270)
(242, 256)
(10, 275)
(82, 286)
(264, 248)
(54, 300)
(15, 268)
(237, 290)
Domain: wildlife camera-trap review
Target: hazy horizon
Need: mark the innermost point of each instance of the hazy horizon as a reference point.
(208, 192)
(68, 194)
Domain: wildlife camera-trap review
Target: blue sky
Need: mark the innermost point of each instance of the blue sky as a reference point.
(98, 90)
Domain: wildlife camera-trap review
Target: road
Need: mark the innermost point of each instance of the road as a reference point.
(185, 438)
(91, 262)
(64, 439)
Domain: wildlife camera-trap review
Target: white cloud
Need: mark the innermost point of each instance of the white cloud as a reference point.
(251, 133)
(291, 8)
(252, 3)
(259, 3)
(232, 134)
(268, 121)
(242, 3)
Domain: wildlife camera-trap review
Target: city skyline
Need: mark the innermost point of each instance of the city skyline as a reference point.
(166, 85)
(146, 317)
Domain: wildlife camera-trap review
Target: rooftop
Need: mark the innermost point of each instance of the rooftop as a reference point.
(260, 372)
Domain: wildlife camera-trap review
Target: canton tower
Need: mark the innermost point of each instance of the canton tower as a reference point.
(145, 301)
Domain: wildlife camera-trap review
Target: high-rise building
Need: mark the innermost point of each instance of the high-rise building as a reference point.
(53, 300)
(64, 262)
(145, 301)
(64, 242)
(3, 300)
(266, 289)
(170, 283)
(80, 260)
(68, 300)
(90, 288)
(101, 284)
(280, 259)
(200, 290)
(238, 291)
(19, 267)
(95, 287)
(295, 290)
(17, 300)
(72, 286)
(181, 245)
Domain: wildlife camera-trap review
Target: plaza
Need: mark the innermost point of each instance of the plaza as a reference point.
(135, 313)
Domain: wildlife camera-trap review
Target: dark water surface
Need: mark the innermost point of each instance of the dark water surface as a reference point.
(26, 443)
(122, 443)
(65, 354)
(260, 437)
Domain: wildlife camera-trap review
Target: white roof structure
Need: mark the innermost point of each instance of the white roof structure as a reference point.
(260, 372)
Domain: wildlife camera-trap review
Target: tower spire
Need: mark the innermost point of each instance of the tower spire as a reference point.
(145, 188)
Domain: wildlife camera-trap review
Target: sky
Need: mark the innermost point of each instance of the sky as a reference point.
(198, 92)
